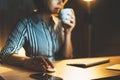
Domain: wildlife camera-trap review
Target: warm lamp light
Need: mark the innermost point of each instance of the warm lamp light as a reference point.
(89, 5)
(88, 0)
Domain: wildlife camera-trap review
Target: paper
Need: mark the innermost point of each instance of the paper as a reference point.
(114, 67)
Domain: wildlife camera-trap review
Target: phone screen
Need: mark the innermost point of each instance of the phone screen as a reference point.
(44, 76)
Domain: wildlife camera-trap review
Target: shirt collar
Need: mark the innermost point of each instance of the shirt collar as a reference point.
(55, 21)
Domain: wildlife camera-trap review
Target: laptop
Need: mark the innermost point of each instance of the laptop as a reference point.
(89, 62)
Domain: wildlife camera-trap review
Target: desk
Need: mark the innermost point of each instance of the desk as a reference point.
(64, 71)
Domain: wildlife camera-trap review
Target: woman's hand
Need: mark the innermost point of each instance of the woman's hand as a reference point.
(69, 24)
(38, 63)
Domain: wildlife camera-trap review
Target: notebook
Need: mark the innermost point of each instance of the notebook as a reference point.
(89, 62)
(114, 67)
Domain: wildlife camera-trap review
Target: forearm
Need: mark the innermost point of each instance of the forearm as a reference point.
(39, 63)
(16, 59)
(67, 48)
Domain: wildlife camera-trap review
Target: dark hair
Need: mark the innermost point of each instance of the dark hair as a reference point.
(40, 4)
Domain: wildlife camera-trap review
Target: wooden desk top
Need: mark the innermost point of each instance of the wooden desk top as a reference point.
(64, 71)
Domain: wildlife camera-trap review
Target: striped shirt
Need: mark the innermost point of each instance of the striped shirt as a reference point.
(36, 37)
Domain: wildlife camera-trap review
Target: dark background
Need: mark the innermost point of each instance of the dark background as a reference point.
(104, 17)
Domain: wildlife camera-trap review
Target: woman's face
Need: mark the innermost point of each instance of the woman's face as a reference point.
(56, 5)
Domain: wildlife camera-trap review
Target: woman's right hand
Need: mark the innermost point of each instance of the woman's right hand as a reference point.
(38, 63)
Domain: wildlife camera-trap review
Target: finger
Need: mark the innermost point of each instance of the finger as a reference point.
(69, 21)
(72, 22)
(45, 63)
(49, 62)
(33, 65)
(40, 60)
(43, 67)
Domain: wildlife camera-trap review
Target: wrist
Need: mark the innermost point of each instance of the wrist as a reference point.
(67, 35)
(25, 60)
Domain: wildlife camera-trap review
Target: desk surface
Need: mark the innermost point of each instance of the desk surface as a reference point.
(64, 71)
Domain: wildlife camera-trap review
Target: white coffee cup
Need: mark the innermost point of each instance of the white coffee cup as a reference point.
(65, 14)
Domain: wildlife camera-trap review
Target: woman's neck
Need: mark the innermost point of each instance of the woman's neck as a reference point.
(46, 18)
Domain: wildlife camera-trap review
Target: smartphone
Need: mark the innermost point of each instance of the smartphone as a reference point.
(44, 76)
(1, 78)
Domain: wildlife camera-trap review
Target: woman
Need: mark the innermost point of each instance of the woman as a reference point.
(43, 36)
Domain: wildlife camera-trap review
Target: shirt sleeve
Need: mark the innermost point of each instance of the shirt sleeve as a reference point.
(15, 41)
